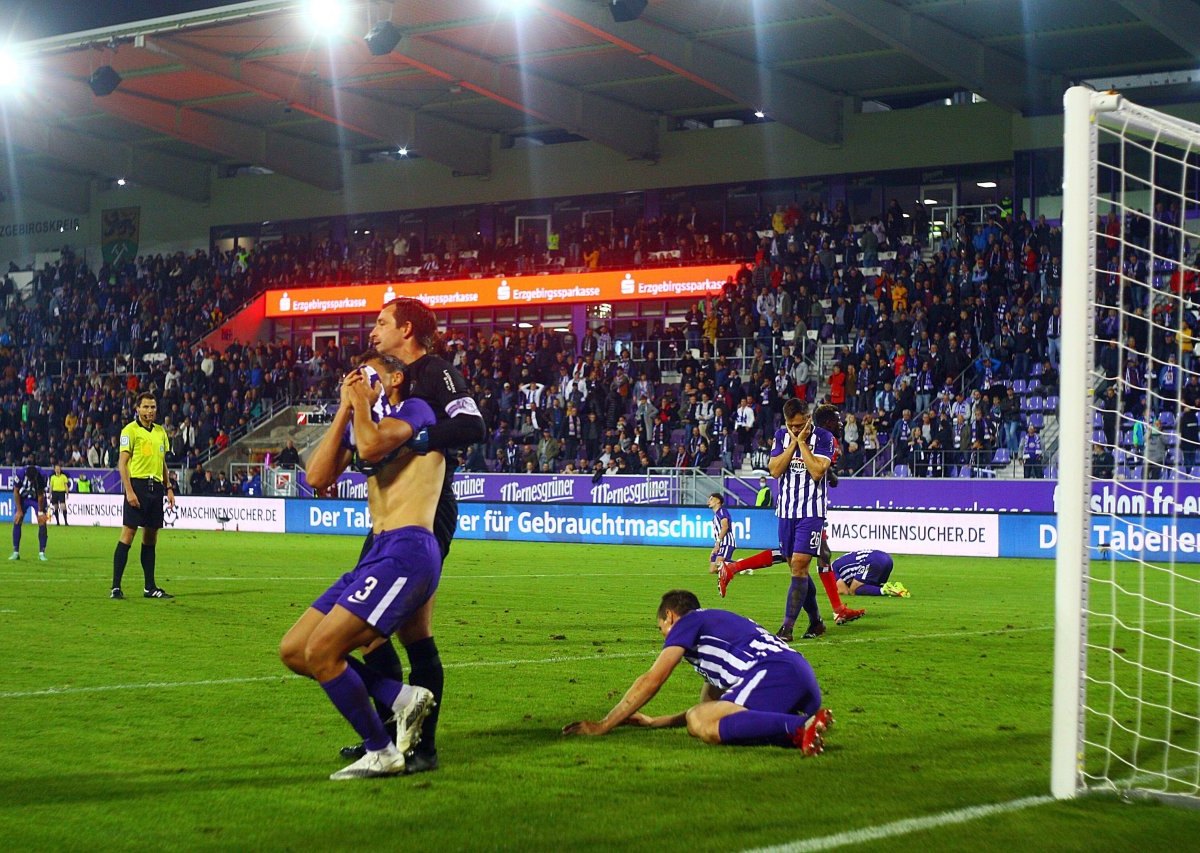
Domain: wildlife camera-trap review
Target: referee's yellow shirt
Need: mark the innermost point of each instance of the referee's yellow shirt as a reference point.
(147, 449)
(59, 483)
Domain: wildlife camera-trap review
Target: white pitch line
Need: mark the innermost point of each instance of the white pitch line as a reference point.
(58, 691)
(905, 827)
(329, 578)
(164, 685)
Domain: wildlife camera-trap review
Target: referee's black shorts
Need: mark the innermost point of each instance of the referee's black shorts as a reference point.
(150, 494)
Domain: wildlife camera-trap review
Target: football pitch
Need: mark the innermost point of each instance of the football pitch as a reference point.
(155, 725)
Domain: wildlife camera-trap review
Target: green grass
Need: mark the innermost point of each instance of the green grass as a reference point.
(193, 736)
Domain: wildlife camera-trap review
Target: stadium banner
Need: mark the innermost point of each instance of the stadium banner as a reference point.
(1131, 497)
(539, 522)
(261, 515)
(1130, 537)
(943, 534)
(589, 287)
(532, 488)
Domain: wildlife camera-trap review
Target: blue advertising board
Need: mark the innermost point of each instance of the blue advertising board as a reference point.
(1151, 537)
(628, 525)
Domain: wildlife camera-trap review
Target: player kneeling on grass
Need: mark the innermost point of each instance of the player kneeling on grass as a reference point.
(394, 578)
(867, 573)
(757, 689)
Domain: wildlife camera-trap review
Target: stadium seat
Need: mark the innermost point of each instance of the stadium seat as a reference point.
(1032, 403)
(1167, 419)
(1020, 386)
(900, 470)
(1037, 369)
(1050, 404)
(1037, 420)
(1001, 458)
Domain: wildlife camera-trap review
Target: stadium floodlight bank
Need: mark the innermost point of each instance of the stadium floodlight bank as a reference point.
(1127, 641)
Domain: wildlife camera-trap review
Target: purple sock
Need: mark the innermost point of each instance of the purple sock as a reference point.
(42, 537)
(868, 589)
(795, 600)
(810, 603)
(382, 689)
(747, 727)
(349, 695)
(16, 537)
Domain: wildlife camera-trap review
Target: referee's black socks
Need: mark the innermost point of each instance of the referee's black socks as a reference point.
(120, 558)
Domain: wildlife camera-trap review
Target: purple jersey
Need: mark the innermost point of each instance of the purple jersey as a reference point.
(800, 496)
(864, 566)
(723, 542)
(413, 411)
(724, 647)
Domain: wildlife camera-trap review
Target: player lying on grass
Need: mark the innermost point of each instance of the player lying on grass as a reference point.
(866, 573)
(394, 578)
(757, 690)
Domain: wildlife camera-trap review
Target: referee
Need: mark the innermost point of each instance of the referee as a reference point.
(143, 467)
(60, 484)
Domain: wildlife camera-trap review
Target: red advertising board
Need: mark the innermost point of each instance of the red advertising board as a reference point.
(591, 287)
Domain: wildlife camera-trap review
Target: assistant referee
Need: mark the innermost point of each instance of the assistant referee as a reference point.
(143, 467)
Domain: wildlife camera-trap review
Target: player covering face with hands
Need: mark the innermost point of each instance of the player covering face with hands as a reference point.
(396, 575)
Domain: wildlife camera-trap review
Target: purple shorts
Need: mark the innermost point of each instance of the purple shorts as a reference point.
(392, 581)
(783, 683)
(879, 575)
(724, 552)
(800, 536)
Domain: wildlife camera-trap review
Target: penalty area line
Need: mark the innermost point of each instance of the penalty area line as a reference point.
(906, 826)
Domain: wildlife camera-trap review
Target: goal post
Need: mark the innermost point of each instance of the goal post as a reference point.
(1074, 519)
(1126, 697)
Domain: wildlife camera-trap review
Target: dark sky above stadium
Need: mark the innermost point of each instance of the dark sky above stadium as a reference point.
(22, 20)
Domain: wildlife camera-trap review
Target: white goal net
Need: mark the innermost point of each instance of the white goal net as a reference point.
(1127, 649)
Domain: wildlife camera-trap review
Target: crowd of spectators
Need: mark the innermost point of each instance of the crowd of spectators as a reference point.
(944, 356)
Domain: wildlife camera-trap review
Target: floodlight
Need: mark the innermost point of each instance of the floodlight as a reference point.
(325, 17)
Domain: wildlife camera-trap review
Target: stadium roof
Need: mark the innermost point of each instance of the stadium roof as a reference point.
(250, 85)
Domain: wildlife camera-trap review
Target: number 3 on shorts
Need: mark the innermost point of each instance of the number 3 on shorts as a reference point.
(365, 593)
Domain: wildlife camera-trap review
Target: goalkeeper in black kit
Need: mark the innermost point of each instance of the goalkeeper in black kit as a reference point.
(407, 329)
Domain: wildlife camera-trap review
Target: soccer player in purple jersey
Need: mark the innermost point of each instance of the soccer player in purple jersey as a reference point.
(29, 492)
(826, 417)
(723, 541)
(867, 573)
(394, 579)
(407, 328)
(801, 456)
(756, 691)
